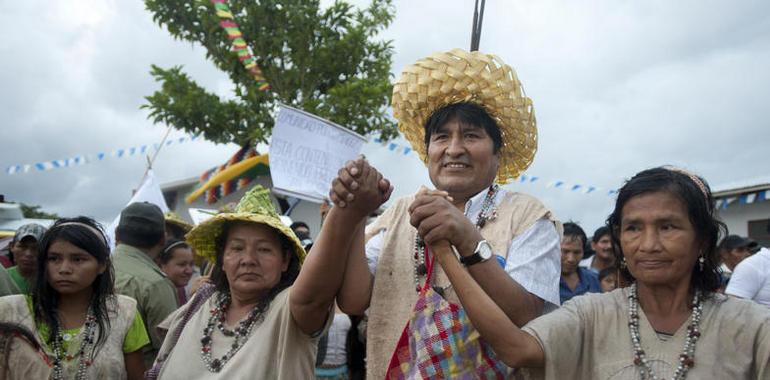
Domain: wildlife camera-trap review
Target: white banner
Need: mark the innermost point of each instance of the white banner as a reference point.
(149, 191)
(306, 152)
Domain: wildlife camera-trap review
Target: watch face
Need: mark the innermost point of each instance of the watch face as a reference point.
(485, 250)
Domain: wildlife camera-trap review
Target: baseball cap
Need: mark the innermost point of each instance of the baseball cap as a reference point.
(32, 229)
(142, 216)
(734, 241)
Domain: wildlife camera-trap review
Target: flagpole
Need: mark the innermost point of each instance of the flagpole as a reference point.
(478, 18)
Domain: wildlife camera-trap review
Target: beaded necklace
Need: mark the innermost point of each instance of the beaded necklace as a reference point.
(488, 212)
(240, 333)
(686, 358)
(86, 346)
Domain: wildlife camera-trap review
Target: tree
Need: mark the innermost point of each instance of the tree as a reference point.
(325, 61)
(34, 212)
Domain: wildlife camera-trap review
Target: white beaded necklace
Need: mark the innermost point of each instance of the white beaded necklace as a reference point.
(686, 358)
(88, 333)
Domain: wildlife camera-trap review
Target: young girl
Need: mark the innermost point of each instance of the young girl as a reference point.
(87, 331)
(176, 261)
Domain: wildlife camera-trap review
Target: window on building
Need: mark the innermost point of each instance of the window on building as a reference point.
(170, 198)
(759, 230)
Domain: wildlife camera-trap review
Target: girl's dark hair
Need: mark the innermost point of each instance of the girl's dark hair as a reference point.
(219, 278)
(168, 251)
(46, 299)
(466, 113)
(700, 208)
(607, 272)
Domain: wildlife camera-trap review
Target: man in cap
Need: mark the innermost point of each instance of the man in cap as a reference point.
(140, 236)
(751, 276)
(302, 231)
(466, 116)
(733, 249)
(24, 252)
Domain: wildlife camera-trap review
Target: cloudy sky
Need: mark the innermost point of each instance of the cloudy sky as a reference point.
(618, 86)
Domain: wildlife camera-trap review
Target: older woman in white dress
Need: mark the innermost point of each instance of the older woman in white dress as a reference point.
(669, 323)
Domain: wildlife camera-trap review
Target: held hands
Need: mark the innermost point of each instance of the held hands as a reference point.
(437, 219)
(359, 188)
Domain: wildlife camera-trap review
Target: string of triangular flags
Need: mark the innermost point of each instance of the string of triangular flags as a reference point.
(83, 159)
(748, 198)
(523, 179)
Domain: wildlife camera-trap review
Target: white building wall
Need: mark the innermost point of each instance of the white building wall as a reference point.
(737, 216)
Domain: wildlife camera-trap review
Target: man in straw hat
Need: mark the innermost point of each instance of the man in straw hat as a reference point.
(465, 114)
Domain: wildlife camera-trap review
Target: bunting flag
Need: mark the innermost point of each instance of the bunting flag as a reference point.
(239, 46)
(240, 170)
(743, 199)
(83, 159)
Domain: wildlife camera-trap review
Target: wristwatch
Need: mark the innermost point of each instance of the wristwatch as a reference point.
(482, 253)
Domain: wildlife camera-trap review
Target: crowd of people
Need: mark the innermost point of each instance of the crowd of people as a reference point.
(465, 280)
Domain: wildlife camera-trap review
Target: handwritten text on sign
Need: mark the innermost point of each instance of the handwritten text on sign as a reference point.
(306, 152)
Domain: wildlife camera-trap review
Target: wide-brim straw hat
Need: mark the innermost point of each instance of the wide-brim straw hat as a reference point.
(173, 218)
(459, 76)
(254, 207)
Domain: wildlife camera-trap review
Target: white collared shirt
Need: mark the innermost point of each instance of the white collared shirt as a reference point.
(534, 257)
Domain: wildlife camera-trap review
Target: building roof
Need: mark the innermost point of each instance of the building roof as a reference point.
(181, 183)
(742, 192)
(741, 187)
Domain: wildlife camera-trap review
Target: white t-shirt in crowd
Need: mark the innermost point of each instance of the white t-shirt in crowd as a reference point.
(751, 278)
(336, 351)
(586, 263)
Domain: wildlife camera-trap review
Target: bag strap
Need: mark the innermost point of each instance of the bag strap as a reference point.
(201, 296)
(430, 259)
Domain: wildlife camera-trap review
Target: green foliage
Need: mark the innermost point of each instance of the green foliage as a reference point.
(325, 61)
(34, 212)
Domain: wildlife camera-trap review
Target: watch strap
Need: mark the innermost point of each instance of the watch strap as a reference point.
(472, 259)
(476, 257)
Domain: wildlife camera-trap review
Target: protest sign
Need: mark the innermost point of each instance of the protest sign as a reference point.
(306, 152)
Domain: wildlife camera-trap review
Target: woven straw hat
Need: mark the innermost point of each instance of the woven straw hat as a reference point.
(173, 218)
(255, 207)
(460, 76)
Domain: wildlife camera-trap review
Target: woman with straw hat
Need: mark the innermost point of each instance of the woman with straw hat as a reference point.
(669, 324)
(262, 317)
(467, 117)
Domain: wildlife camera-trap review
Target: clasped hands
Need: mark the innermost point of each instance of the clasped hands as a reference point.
(360, 188)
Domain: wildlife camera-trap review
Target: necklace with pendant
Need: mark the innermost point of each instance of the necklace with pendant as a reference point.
(88, 333)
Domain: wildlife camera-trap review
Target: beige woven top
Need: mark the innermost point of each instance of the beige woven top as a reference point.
(460, 76)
